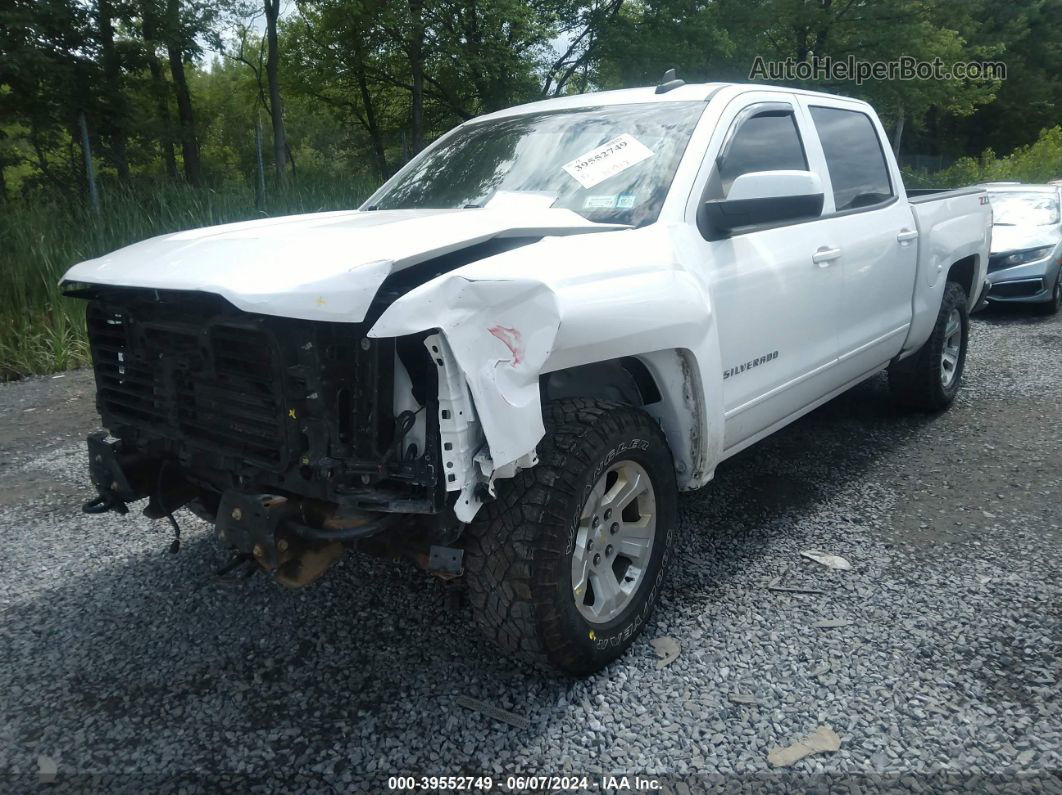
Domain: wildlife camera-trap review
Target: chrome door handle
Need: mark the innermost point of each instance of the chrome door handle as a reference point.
(824, 256)
(906, 234)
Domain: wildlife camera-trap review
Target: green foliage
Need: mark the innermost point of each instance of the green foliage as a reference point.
(874, 30)
(651, 36)
(1028, 33)
(1039, 162)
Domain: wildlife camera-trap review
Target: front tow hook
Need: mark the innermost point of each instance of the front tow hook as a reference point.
(105, 502)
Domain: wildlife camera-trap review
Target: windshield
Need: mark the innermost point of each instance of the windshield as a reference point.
(611, 164)
(1013, 208)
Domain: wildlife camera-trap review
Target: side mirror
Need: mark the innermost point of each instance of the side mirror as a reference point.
(763, 197)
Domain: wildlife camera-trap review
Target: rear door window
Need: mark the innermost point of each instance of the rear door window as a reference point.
(857, 166)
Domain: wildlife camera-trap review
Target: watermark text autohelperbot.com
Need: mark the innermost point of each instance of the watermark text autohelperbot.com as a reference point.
(906, 67)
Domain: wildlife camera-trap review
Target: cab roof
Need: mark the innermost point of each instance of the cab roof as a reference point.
(690, 92)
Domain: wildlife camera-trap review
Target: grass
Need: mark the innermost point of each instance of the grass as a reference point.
(40, 330)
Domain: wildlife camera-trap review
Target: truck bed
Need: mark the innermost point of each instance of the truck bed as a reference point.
(923, 195)
(953, 225)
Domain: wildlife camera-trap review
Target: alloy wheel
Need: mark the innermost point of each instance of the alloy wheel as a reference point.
(949, 357)
(614, 542)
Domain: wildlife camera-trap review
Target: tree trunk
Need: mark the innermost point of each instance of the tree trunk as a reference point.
(371, 124)
(86, 152)
(259, 177)
(416, 64)
(42, 160)
(897, 133)
(159, 89)
(112, 74)
(291, 161)
(272, 11)
(193, 171)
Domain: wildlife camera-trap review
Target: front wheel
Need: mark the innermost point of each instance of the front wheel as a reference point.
(1053, 306)
(564, 568)
(929, 380)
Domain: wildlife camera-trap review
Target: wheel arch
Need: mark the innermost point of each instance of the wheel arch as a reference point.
(666, 384)
(963, 272)
(622, 380)
(966, 272)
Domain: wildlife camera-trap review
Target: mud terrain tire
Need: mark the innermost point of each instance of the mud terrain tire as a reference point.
(519, 554)
(920, 382)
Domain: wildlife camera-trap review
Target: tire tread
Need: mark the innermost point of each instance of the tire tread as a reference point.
(511, 532)
(915, 381)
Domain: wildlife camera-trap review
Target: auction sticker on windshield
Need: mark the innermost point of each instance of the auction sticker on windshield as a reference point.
(607, 160)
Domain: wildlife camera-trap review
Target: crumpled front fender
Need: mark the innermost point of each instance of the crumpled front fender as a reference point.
(501, 333)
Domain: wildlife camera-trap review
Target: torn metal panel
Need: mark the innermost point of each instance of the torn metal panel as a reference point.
(500, 333)
(459, 431)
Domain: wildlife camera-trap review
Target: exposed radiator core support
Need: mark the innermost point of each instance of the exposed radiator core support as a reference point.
(262, 404)
(204, 386)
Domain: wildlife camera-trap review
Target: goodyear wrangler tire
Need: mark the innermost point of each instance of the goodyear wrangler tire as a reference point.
(565, 566)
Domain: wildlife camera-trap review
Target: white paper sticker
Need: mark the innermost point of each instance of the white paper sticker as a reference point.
(607, 160)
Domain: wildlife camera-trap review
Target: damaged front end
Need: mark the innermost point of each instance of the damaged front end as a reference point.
(294, 437)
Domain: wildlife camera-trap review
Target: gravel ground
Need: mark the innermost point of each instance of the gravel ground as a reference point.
(119, 668)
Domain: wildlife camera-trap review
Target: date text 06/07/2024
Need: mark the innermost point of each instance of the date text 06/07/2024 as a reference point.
(525, 783)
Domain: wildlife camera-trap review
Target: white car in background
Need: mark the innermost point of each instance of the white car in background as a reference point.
(1025, 265)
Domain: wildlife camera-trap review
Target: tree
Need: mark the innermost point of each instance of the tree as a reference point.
(582, 35)
(647, 38)
(334, 51)
(488, 56)
(1029, 32)
(116, 113)
(159, 89)
(47, 77)
(276, 109)
(176, 46)
(363, 85)
(869, 31)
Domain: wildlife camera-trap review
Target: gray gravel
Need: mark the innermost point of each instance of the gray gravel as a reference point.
(119, 669)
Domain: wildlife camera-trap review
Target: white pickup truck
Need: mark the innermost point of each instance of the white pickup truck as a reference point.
(508, 362)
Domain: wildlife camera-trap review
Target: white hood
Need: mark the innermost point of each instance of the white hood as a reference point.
(1018, 238)
(320, 266)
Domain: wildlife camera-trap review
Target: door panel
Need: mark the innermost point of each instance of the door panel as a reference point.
(878, 275)
(776, 312)
(875, 232)
(775, 306)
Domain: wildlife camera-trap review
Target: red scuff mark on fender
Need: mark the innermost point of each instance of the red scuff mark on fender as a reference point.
(512, 339)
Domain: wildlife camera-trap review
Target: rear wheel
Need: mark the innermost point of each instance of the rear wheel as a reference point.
(930, 379)
(564, 568)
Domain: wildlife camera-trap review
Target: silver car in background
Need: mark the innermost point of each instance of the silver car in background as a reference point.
(1025, 264)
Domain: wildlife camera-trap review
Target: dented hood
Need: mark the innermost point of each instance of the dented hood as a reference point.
(320, 266)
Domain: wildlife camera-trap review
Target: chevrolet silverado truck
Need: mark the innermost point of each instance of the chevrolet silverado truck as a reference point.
(508, 362)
